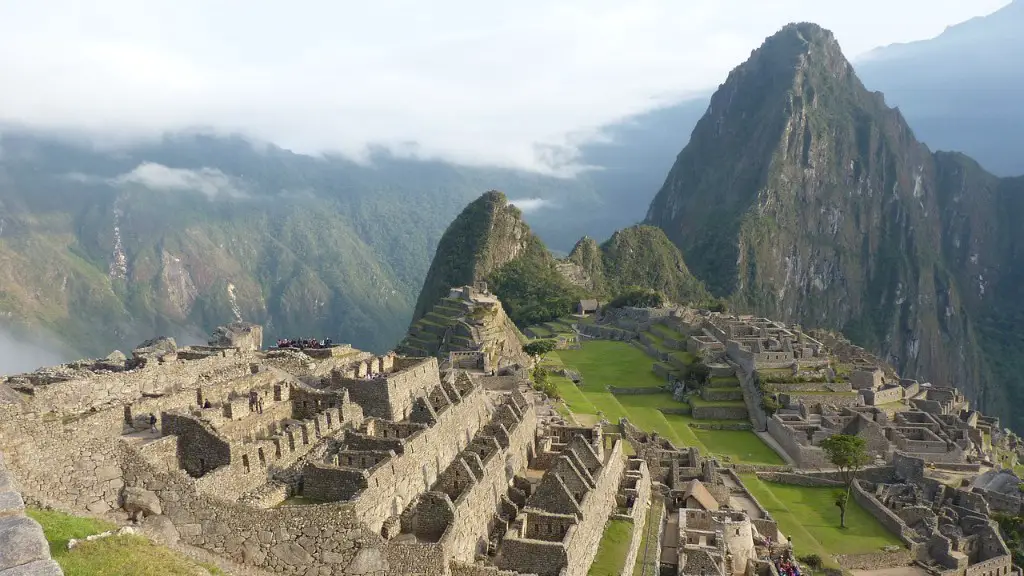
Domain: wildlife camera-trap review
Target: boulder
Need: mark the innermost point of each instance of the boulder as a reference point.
(21, 542)
(155, 348)
(115, 361)
(162, 529)
(140, 503)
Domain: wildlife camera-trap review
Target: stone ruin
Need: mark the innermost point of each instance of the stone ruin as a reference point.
(947, 530)
(332, 461)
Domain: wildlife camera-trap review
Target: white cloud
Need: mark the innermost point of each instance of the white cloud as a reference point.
(530, 205)
(478, 82)
(209, 181)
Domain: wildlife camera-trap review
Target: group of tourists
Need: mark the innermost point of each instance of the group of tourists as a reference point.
(784, 563)
(301, 343)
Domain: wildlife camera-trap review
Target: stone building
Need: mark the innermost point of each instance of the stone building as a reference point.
(947, 530)
(564, 514)
(327, 461)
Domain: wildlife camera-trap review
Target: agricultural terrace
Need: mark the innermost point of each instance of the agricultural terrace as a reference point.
(603, 363)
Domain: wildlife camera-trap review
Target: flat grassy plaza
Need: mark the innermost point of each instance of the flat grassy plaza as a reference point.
(810, 517)
(604, 363)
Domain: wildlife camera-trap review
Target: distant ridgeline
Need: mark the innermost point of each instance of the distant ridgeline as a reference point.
(489, 242)
(803, 196)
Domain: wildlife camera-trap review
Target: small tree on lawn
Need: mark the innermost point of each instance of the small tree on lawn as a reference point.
(849, 454)
(538, 348)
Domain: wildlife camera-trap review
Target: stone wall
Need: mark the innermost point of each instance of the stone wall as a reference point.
(391, 396)
(465, 534)
(597, 505)
(638, 516)
(883, 396)
(68, 463)
(798, 479)
(76, 396)
(23, 547)
(886, 517)
(803, 456)
(876, 560)
(323, 539)
(714, 412)
(838, 399)
(386, 489)
(464, 569)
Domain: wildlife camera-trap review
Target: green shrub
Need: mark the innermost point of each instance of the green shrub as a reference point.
(638, 297)
(812, 561)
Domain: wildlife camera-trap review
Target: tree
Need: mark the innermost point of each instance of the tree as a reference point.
(770, 405)
(849, 454)
(538, 348)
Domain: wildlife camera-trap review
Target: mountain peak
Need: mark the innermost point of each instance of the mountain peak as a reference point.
(487, 234)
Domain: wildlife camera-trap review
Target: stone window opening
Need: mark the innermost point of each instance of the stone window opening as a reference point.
(128, 415)
(245, 463)
(277, 450)
(263, 458)
(202, 466)
(329, 423)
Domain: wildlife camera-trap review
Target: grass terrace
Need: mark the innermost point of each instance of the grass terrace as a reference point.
(614, 547)
(603, 363)
(127, 555)
(810, 517)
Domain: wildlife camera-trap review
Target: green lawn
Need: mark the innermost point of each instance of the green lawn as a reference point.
(612, 551)
(620, 364)
(810, 517)
(605, 362)
(127, 555)
(743, 446)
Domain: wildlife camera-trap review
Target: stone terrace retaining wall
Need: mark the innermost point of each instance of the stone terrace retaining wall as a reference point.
(876, 560)
(713, 412)
(23, 548)
(797, 479)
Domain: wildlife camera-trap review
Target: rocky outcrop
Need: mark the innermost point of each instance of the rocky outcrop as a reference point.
(802, 196)
(23, 547)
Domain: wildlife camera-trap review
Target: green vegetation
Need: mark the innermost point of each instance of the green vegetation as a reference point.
(604, 363)
(805, 514)
(612, 551)
(643, 256)
(127, 555)
(531, 289)
(1012, 528)
(538, 348)
(849, 454)
(638, 297)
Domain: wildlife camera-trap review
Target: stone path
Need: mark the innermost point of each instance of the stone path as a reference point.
(23, 547)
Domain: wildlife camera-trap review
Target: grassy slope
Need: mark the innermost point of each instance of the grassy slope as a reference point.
(603, 363)
(114, 556)
(809, 516)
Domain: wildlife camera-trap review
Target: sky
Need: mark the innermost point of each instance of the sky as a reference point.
(495, 83)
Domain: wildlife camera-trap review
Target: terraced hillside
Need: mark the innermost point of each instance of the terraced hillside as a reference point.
(634, 380)
(465, 321)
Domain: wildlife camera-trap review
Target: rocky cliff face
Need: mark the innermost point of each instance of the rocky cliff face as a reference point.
(801, 195)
